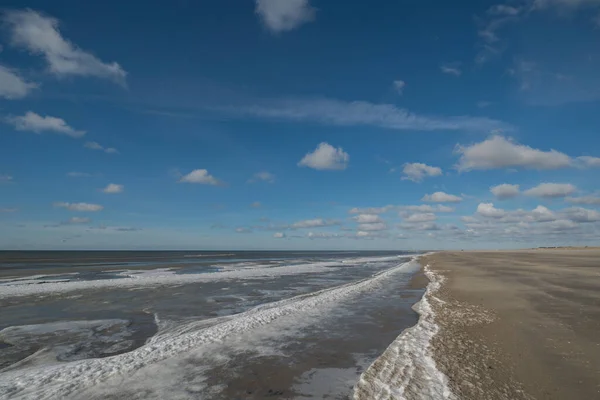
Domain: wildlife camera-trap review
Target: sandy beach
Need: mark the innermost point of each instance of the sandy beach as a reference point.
(519, 324)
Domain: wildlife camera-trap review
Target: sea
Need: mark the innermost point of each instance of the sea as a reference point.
(213, 325)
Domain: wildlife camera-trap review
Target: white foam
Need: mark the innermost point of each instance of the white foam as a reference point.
(63, 380)
(407, 370)
(164, 277)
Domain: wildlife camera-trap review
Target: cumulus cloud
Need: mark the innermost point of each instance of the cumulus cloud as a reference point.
(323, 235)
(367, 218)
(36, 123)
(505, 191)
(377, 226)
(488, 210)
(326, 157)
(425, 208)
(281, 16)
(113, 188)
(399, 86)
(12, 85)
(501, 152)
(588, 200)
(420, 217)
(551, 190)
(371, 210)
(362, 113)
(39, 34)
(79, 206)
(200, 176)
(416, 172)
(314, 223)
(279, 235)
(441, 197)
(451, 69)
(98, 146)
(262, 176)
(582, 215)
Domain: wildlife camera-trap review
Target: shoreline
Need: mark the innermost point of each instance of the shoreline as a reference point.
(519, 324)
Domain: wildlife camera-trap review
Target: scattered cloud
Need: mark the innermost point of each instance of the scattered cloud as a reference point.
(582, 215)
(98, 146)
(371, 210)
(590, 162)
(281, 16)
(588, 200)
(323, 235)
(262, 176)
(77, 220)
(416, 172)
(451, 69)
(79, 206)
(279, 235)
(314, 223)
(377, 226)
(12, 85)
(551, 190)
(113, 188)
(420, 217)
(499, 152)
(488, 210)
(326, 157)
(441, 197)
(39, 34)
(200, 176)
(505, 191)
(36, 123)
(243, 230)
(367, 218)
(362, 113)
(256, 204)
(425, 208)
(399, 86)
(75, 174)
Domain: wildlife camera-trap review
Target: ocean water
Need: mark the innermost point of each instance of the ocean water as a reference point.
(213, 325)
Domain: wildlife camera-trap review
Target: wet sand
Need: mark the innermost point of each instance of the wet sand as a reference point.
(519, 324)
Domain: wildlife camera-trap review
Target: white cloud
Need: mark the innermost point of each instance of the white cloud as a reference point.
(314, 223)
(323, 235)
(503, 10)
(75, 174)
(399, 86)
(113, 188)
(451, 69)
(542, 214)
(589, 200)
(589, 161)
(426, 208)
(367, 218)
(12, 85)
(371, 210)
(500, 152)
(262, 176)
(441, 197)
(279, 235)
(505, 191)
(280, 16)
(362, 113)
(39, 34)
(78, 220)
(4, 178)
(488, 210)
(417, 171)
(420, 217)
(98, 146)
(543, 4)
(36, 123)
(378, 226)
(200, 176)
(79, 206)
(551, 190)
(243, 230)
(326, 157)
(256, 204)
(426, 226)
(582, 215)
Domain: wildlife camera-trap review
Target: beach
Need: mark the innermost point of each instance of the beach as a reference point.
(518, 324)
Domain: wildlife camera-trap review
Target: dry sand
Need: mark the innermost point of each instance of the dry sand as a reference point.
(519, 324)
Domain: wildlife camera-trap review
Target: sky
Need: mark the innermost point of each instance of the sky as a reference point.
(299, 124)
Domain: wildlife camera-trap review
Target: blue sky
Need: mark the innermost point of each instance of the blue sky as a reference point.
(299, 124)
